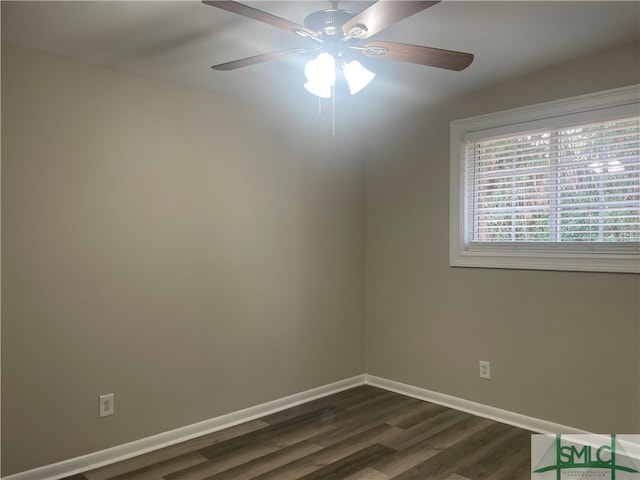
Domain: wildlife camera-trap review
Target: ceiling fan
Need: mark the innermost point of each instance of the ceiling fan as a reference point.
(342, 37)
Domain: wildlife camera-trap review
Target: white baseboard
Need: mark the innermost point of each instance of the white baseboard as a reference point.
(145, 445)
(165, 439)
(479, 409)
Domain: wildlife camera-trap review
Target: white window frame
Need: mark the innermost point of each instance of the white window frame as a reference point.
(614, 257)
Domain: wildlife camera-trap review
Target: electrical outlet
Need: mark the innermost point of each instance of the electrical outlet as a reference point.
(106, 405)
(485, 370)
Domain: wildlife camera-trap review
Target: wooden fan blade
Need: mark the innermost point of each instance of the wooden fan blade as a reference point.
(265, 57)
(381, 15)
(432, 57)
(260, 16)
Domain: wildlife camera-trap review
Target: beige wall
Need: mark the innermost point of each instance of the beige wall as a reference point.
(181, 249)
(196, 256)
(563, 346)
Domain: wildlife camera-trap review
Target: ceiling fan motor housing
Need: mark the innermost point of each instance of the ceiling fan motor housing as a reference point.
(329, 22)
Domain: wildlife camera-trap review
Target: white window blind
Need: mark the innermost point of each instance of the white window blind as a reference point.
(579, 183)
(554, 186)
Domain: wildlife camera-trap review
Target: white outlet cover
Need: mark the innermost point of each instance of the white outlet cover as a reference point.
(485, 370)
(106, 405)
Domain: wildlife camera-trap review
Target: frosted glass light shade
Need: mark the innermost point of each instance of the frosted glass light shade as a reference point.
(357, 76)
(321, 75)
(319, 89)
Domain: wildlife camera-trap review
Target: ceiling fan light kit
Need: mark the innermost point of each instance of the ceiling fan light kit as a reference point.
(341, 38)
(321, 75)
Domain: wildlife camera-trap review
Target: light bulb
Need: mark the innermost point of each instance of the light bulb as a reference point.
(357, 76)
(321, 75)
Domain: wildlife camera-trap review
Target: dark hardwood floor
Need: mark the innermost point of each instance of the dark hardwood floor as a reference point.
(364, 433)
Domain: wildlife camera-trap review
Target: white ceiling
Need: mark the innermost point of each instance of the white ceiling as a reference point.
(180, 40)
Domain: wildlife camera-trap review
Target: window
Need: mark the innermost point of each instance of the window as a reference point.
(554, 186)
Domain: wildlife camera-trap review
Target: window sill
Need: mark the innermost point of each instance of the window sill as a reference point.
(611, 263)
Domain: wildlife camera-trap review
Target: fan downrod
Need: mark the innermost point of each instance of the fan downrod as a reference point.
(329, 22)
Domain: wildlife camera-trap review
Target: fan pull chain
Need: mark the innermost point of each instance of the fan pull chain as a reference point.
(333, 110)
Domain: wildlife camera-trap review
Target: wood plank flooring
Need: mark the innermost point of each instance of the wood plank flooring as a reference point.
(364, 433)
